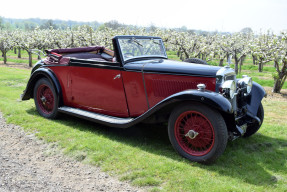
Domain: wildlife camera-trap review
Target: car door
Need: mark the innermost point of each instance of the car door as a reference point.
(98, 88)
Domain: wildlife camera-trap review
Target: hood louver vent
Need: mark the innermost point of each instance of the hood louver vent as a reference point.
(164, 88)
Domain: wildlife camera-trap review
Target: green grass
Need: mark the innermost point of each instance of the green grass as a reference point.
(143, 154)
(172, 55)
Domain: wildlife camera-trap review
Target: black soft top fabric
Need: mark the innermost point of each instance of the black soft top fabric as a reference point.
(77, 50)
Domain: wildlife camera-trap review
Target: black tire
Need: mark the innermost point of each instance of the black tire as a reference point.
(189, 119)
(196, 61)
(46, 99)
(251, 130)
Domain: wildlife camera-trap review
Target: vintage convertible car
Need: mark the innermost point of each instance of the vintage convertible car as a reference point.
(203, 105)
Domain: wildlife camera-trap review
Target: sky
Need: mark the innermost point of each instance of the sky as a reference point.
(210, 15)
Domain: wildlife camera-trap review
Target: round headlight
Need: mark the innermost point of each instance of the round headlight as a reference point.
(249, 85)
(230, 88)
(246, 83)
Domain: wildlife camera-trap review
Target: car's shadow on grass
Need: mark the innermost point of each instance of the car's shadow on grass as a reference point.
(251, 160)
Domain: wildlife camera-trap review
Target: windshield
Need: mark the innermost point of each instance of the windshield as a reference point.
(141, 47)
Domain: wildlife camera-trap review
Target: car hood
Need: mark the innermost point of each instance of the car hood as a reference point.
(172, 67)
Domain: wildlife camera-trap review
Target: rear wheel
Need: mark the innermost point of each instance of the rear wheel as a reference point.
(197, 132)
(46, 99)
(251, 130)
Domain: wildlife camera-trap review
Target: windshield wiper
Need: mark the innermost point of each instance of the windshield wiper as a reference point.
(153, 40)
(136, 41)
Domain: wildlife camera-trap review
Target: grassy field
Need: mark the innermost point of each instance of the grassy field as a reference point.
(143, 154)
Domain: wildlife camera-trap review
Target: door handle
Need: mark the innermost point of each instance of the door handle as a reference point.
(117, 76)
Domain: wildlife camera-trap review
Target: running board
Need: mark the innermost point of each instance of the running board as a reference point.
(98, 118)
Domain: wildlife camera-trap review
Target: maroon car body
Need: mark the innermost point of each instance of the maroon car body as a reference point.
(203, 105)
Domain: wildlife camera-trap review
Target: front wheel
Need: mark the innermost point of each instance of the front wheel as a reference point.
(46, 99)
(197, 132)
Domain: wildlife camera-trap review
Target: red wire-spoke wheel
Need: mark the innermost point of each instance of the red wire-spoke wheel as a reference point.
(197, 132)
(194, 133)
(45, 97)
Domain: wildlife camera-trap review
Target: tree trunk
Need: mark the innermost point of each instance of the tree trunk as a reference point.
(203, 57)
(5, 57)
(279, 82)
(30, 59)
(236, 64)
(227, 57)
(221, 62)
(241, 63)
(260, 66)
(242, 59)
(276, 87)
(15, 50)
(19, 52)
(280, 78)
(254, 59)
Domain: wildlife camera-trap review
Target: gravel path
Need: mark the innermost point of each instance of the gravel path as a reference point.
(29, 164)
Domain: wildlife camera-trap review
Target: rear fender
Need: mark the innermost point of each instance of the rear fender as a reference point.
(35, 76)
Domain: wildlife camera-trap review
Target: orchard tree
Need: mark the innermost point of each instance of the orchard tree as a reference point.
(237, 46)
(28, 42)
(62, 38)
(219, 51)
(186, 45)
(207, 47)
(6, 43)
(280, 59)
(18, 36)
(262, 49)
(41, 38)
(84, 36)
(104, 37)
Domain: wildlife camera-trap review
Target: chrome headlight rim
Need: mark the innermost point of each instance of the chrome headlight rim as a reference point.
(229, 88)
(246, 84)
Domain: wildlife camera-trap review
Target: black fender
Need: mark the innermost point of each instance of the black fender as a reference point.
(211, 99)
(42, 72)
(255, 97)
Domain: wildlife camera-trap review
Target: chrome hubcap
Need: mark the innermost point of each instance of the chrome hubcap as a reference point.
(43, 99)
(191, 134)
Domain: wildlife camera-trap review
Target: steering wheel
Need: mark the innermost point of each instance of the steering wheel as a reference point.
(127, 55)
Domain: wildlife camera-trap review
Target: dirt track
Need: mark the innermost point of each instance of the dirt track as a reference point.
(29, 164)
